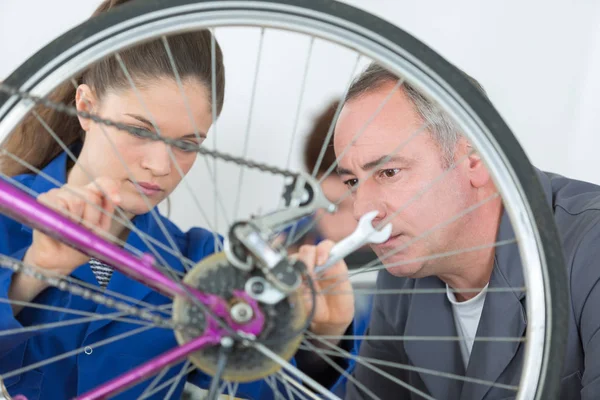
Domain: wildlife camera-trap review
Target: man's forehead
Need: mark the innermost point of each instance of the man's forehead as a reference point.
(359, 126)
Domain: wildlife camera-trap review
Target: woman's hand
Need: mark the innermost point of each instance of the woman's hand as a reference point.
(80, 204)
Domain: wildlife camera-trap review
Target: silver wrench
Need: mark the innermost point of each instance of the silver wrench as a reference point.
(363, 234)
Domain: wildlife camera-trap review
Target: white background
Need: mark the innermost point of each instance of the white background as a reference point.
(539, 61)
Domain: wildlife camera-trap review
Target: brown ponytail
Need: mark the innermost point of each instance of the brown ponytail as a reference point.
(30, 140)
(191, 51)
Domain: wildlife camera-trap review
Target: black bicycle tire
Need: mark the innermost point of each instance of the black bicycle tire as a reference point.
(554, 273)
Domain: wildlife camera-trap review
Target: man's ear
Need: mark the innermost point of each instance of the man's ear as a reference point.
(478, 172)
(85, 101)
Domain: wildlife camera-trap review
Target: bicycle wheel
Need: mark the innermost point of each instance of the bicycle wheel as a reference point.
(355, 35)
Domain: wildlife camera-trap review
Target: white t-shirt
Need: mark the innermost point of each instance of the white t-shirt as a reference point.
(466, 317)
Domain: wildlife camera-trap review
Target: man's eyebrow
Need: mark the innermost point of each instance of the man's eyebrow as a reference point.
(149, 124)
(384, 160)
(343, 171)
(375, 163)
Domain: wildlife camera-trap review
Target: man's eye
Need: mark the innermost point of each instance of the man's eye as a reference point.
(390, 172)
(351, 182)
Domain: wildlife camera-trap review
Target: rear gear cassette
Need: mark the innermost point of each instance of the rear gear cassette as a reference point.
(285, 320)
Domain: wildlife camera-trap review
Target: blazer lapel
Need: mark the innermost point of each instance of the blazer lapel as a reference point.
(503, 315)
(431, 315)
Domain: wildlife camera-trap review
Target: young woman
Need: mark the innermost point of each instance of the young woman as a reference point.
(114, 169)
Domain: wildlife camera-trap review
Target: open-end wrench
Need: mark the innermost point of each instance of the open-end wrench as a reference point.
(363, 234)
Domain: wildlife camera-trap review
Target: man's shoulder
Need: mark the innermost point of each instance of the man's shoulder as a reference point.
(576, 207)
(573, 196)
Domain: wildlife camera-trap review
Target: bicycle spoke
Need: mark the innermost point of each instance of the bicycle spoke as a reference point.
(236, 206)
(455, 252)
(213, 89)
(143, 236)
(232, 389)
(160, 224)
(426, 189)
(200, 140)
(90, 286)
(373, 170)
(294, 371)
(72, 156)
(295, 126)
(362, 129)
(415, 62)
(368, 268)
(339, 369)
(273, 385)
(423, 338)
(75, 352)
(334, 119)
(76, 321)
(162, 264)
(165, 384)
(373, 368)
(440, 225)
(381, 292)
(168, 236)
(124, 221)
(287, 387)
(300, 101)
(106, 235)
(296, 387)
(154, 382)
(224, 351)
(383, 161)
(424, 235)
(178, 379)
(54, 308)
(222, 388)
(367, 361)
(333, 166)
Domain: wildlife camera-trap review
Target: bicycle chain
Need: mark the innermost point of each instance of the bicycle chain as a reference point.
(71, 111)
(87, 293)
(77, 290)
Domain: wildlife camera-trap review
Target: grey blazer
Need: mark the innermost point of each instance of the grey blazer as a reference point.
(576, 208)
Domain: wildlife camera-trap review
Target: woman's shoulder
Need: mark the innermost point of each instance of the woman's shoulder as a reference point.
(193, 241)
(13, 233)
(21, 181)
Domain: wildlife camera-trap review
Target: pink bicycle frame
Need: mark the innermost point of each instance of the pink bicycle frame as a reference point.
(22, 207)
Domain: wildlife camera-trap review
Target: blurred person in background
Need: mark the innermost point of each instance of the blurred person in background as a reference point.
(333, 226)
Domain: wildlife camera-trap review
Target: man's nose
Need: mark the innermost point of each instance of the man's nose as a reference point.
(366, 199)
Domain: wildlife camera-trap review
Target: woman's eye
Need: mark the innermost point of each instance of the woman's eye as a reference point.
(140, 132)
(189, 145)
